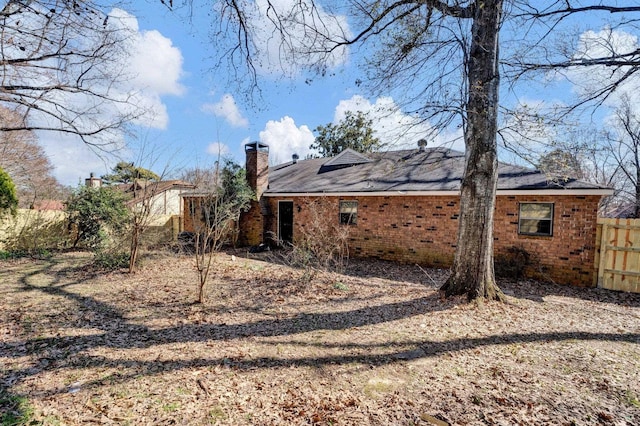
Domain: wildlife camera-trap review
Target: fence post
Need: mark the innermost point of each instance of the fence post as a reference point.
(603, 253)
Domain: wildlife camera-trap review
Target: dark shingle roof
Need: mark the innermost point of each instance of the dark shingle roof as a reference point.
(435, 169)
(346, 158)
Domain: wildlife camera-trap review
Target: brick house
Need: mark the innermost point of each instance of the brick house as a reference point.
(404, 206)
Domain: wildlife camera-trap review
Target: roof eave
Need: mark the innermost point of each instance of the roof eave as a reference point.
(503, 192)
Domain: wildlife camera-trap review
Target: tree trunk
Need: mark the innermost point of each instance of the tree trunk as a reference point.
(636, 153)
(636, 210)
(201, 297)
(135, 245)
(472, 271)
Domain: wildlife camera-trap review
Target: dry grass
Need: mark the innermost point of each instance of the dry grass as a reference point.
(374, 346)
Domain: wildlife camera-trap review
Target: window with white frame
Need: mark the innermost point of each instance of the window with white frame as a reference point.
(348, 212)
(536, 219)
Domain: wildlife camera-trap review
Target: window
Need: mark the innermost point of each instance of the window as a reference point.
(348, 212)
(536, 219)
(192, 206)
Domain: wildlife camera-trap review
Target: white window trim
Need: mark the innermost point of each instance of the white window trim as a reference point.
(536, 234)
(340, 212)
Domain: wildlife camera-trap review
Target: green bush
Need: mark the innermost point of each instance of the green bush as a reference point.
(96, 214)
(15, 409)
(111, 260)
(8, 197)
(18, 254)
(12, 254)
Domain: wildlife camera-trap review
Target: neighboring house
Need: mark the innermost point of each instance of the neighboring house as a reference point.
(55, 205)
(193, 204)
(623, 210)
(164, 196)
(405, 205)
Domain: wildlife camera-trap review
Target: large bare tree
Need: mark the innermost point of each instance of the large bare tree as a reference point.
(26, 162)
(442, 58)
(622, 143)
(60, 65)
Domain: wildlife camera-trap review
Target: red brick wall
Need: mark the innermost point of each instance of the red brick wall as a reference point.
(188, 224)
(568, 256)
(257, 167)
(251, 226)
(423, 230)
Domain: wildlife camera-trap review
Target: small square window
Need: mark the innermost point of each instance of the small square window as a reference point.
(536, 219)
(348, 212)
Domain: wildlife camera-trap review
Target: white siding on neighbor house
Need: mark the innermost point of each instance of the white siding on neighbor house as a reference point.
(168, 202)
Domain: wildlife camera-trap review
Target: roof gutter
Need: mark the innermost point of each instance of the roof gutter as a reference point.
(504, 192)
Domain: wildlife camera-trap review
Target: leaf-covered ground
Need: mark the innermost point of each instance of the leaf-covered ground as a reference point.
(375, 346)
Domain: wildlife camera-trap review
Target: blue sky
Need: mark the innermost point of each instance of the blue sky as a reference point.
(197, 116)
(201, 113)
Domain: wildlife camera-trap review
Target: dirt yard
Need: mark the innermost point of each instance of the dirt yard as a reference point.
(375, 346)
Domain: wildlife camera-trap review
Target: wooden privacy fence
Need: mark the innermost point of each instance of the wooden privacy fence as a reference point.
(617, 258)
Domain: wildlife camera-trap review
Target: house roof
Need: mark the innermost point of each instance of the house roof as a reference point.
(48, 205)
(625, 210)
(406, 171)
(145, 189)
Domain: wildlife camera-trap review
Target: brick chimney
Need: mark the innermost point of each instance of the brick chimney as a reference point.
(257, 165)
(252, 222)
(93, 182)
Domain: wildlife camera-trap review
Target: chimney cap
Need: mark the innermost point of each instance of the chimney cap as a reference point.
(422, 144)
(295, 158)
(256, 146)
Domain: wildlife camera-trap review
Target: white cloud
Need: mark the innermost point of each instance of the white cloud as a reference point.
(227, 109)
(218, 149)
(149, 68)
(394, 127)
(285, 139)
(400, 130)
(157, 64)
(603, 44)
(155, 67)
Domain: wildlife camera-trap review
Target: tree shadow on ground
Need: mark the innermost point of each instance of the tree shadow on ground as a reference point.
(398, 352)
(538, 290)
(433, 278)
(362, 268)
(115, 331)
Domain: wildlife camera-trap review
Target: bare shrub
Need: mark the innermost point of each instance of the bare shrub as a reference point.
(516, 262)
(322, 243)
(215, 214)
